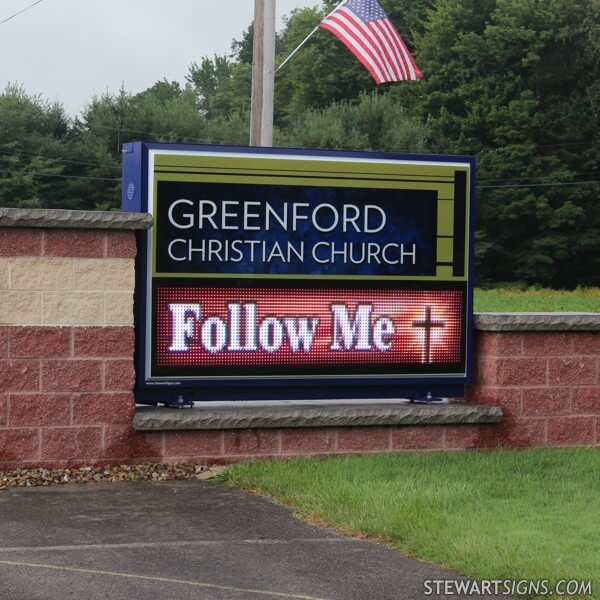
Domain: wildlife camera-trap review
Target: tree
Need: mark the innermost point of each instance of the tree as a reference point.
(33, 148)
(242, 50)
(222, 87)
(164, 112)
(506, 81)
(372, 122)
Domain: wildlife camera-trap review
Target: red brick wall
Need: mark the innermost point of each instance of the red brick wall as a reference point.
(65, 384)
(214, 447)
(547, 384)
(62, 389)
(66, 374)
(75, 243)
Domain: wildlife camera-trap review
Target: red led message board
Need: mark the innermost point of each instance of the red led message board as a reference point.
(221, 328)
(269, 267)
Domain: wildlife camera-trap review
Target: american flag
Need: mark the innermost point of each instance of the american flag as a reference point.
(366, 30)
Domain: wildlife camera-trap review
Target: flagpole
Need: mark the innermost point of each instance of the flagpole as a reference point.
(263, 73)
(297, 48)
(309, 36)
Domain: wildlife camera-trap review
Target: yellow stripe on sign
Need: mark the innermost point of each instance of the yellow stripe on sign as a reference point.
(325, 165)
(303, 173)
(446, 273)
(444, 190)
(445, 224)
(445, 250)
(302, 276)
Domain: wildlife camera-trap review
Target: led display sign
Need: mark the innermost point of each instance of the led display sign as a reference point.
(270, 267)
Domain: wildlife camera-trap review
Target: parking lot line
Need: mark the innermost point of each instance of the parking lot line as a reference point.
(200, 584)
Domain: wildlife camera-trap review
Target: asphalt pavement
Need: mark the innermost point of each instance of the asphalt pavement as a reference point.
(187, 540)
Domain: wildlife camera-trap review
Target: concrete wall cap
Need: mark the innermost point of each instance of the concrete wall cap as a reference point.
(203, 416)
(73, 219)
(554, 321)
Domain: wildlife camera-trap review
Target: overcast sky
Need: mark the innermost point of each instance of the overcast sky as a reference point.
(69, 50)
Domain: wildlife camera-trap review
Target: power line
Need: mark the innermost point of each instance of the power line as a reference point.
(160, 135)
(558, 145)
(138, 131)
(64, 160)
(63, 176)
(480, 187)
(21, 11)
(115, 167)
(522, 185)
(532, 178)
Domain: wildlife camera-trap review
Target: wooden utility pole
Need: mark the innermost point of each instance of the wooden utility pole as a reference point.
(263, 74)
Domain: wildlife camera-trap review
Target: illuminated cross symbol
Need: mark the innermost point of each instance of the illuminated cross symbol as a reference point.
(428, 325)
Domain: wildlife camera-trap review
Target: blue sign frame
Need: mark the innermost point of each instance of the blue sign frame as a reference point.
(424, 180)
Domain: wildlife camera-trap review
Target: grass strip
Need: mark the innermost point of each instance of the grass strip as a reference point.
(531, 514)
(537, 300)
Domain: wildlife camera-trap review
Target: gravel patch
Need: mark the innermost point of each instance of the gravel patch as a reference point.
(23, 478)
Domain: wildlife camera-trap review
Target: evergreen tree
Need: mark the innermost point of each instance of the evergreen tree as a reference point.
(509, 81)
(32, 150)
(373, 122)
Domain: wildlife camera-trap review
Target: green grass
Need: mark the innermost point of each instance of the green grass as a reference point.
(537, 300)
(499, 515)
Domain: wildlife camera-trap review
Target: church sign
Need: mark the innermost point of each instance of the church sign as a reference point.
(271, 270)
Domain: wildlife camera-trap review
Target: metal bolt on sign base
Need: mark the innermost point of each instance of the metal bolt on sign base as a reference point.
(179, 402)
(428, 399)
